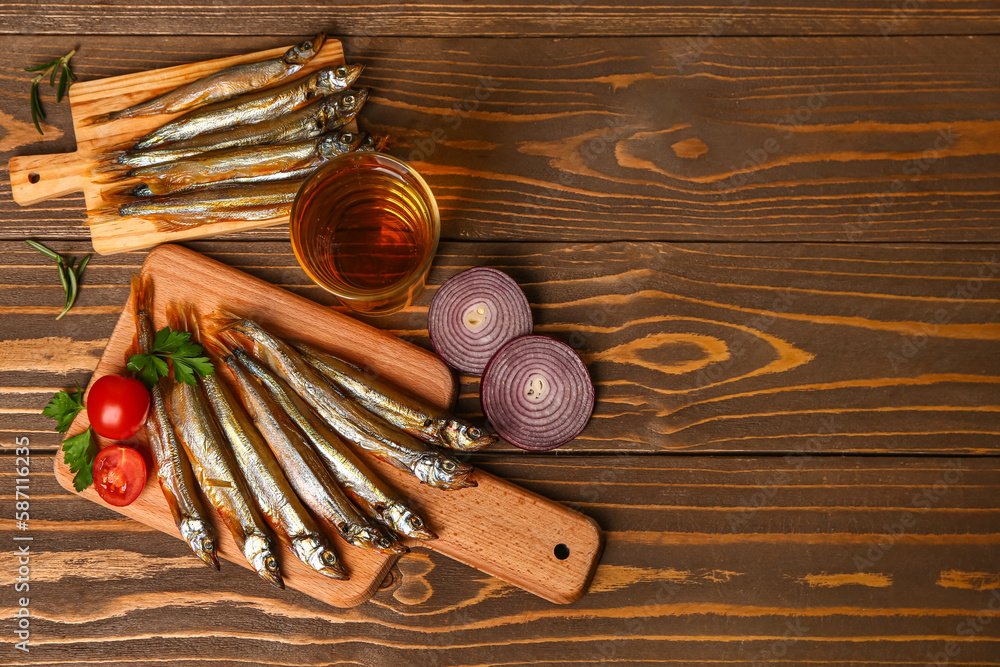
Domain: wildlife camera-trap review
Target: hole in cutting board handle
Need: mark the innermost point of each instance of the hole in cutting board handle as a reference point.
(561, 551)
(33, 177)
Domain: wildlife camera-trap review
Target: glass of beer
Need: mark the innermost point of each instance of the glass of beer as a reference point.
(366, 227)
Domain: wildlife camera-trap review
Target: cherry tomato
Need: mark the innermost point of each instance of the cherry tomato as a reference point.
(119, 475)
(117, 406)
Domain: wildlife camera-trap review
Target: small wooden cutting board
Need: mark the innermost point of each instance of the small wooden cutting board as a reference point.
(496, 527)
(36, 178)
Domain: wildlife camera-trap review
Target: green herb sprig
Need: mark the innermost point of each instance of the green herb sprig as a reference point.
(64, 407)
(80, 450)
(186, 356)
(69, 276)
(58, 66)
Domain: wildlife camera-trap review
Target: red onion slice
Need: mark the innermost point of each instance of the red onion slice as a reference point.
(537, 393)
(474, 314)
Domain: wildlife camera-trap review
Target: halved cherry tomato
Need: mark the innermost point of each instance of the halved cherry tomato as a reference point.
(119, 475)
(117, 406)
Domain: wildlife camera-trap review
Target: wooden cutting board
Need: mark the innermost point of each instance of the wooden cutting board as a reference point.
(36, 178)
(496, 527)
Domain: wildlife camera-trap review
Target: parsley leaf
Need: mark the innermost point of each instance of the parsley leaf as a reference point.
(64, 408)
(174, 346)
(149, 367)
(80, 453)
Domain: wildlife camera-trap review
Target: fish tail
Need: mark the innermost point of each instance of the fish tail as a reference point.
(99, 216)
(176, 318)
(219, 346)
(172, 224)
(109, 166)
(381, 142)
(140, 298)
(215, 347)
(133, 348)
(100, 118)
(318, 42)
(192, 322)
(110, 174)
(222, 320)
(142, 292)
(116, 197)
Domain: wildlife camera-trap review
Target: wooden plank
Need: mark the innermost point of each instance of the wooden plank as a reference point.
(693, 347)
(508, 18)
(710, 561)
(745, 139)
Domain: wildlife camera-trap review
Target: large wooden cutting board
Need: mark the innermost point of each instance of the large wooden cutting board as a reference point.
(496, 527)
(36, 178)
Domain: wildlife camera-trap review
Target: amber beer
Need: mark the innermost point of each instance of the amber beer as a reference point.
(366, 227)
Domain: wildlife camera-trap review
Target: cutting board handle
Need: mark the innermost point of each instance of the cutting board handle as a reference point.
(35, 178)
(505, 530)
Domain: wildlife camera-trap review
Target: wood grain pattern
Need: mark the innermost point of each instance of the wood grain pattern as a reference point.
(857, 139)
(709, 560)
(743, 126)
(741, 348)
(36, 178)
(496, 527)
(508, 18)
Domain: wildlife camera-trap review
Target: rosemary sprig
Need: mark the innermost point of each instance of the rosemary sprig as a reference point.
(58, 66)
(69, 276)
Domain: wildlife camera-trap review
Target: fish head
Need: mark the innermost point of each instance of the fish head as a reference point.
(314, 551)
(443, 472)
(304, 52)
(351, 101)
(367, 145)
(199, 538)
(404, 520)
(338, 77)
(466, 437)
(257, 550)
(340, 143)
(369, 537)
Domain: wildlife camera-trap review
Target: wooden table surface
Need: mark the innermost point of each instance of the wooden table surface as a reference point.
(769, 228)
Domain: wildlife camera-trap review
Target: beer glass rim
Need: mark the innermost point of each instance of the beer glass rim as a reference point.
(347, 295)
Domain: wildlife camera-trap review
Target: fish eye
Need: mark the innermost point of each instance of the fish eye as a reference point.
(270, 563)
(347, 137)
(329, 558)
(208, 545)
(416, 522)
(475, 432)
(449, 466)
(342, 72)
(349, 100)
(427, 423)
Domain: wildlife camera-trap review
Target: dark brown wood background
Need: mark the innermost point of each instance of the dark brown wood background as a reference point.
(769, 228)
